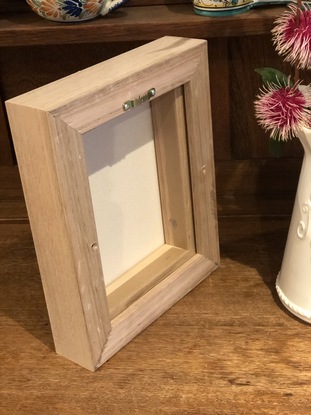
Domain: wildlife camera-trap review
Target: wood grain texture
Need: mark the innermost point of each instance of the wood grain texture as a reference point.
(220, 84)
(88, 91)
(12, 202)
(13, 6)
(257, 187)
(244, 188)
(201, 158)
(145, 275)
(70, 295)
(6, 150)
(27, 68)
(132, 24)
(127, 325)
(171, 146)
(233, 60)
(227, 348)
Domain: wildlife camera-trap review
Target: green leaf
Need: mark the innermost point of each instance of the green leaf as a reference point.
(273, 76)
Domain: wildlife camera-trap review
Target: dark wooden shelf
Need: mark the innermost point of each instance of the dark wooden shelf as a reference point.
(134, 24)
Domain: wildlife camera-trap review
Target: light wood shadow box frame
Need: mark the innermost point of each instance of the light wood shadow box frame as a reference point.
(91, 322)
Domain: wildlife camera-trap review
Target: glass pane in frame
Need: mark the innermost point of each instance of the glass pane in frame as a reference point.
(161, 125)
(122, 171)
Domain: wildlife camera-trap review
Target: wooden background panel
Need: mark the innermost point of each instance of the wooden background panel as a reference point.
(258, 187)
(12, 202)
(6, 151)
(232, 62)
(16, 6)
(25, 68)
(234, 85)
(134, 23)
(220, 98)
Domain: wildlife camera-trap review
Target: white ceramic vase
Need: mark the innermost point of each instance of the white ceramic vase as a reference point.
(294, 280)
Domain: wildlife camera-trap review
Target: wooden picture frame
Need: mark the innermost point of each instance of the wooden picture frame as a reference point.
(91, 322)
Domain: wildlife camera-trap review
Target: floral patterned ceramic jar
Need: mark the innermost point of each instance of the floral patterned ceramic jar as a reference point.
(73, 10)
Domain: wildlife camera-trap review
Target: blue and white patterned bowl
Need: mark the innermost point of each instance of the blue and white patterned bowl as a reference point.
(229, 7)
(73, 10)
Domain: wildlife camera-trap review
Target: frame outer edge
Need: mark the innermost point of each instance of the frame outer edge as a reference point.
(202, 166)
(31, 130)
(39, 135)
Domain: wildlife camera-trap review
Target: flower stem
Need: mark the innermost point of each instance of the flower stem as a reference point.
(299, 6)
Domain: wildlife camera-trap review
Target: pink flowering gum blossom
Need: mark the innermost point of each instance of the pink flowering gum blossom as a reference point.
(283, 110)
(292, 36)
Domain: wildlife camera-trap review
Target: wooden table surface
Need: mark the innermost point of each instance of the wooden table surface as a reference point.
(228, 348)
